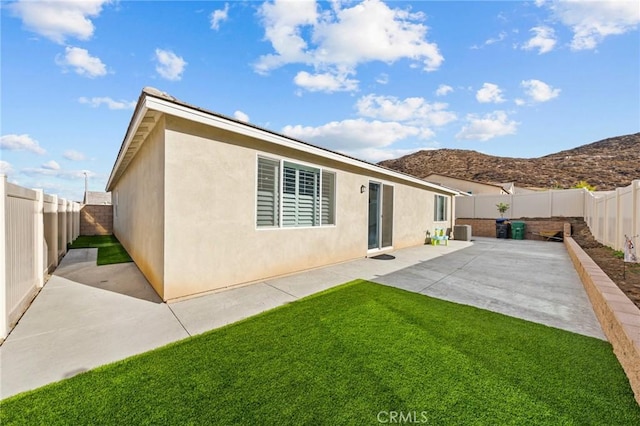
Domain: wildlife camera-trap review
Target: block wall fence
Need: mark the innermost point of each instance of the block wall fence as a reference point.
(96, 220)
(533, 227)
(618, 316)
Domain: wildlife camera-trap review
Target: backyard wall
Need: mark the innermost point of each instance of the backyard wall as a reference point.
(610, 215)
(614, 214)
(96, 219)
(556, 203)
(533, 227)
(35, 229)
(618, 316)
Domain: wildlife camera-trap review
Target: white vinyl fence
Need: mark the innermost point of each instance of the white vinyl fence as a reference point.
(555, 203)
(610, 215)
(615, 214)
(35, 228)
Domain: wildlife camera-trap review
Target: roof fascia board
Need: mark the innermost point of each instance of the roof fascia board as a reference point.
(202, 117)
(467, 180)
(135, 123)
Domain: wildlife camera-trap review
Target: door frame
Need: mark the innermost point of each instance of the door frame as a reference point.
(381, 204)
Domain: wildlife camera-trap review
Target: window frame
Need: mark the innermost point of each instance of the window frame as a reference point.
(319, 192)
(437, 210)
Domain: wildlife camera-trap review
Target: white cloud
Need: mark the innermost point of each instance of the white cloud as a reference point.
(494, 40)
(51, 165)
(383, 121)
(520, 102)
(488, 126)
(283, 22)
(592, 21)
(500, 37)
(416, 111)
(219, 16)
(73, 155)
(382, 78)
(303, 33)
(6, 167)
(58, 20)
(95, 102)
(491, 41)
(21, 143)
(443, 90)
(349, 136)
(82, 62)
(239, 115)
(325, 82)
(539, 91)
(58, 173)
(490, 93)
(170, 65)
(544, 40)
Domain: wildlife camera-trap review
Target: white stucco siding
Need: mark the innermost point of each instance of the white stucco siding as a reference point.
(138, 201)
(413, 215)
(211, 237)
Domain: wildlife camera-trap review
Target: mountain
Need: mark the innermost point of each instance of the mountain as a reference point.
(606, 164)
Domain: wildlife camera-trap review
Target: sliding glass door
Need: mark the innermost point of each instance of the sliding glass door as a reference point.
(380, 230)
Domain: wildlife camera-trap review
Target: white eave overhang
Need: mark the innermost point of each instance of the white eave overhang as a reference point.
(150, 107)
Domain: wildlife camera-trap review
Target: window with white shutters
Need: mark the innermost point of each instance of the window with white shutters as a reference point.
(307, 194)
(328, 198)
(268, 211)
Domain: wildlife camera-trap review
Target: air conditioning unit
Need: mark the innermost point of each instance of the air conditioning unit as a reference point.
(462, 232)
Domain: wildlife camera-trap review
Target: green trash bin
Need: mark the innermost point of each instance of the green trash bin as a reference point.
(517, 230)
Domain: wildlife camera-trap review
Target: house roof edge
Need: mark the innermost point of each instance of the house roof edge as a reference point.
(255, 131)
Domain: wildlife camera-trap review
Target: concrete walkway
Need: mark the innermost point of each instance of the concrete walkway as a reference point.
(88, 315)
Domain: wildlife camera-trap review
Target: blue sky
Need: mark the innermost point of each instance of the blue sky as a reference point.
(372, 79)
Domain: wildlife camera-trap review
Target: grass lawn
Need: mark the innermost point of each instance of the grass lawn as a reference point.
(351, 355)
(109, 248)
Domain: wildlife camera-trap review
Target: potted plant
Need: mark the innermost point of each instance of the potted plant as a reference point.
(502, 208)
(502, 224)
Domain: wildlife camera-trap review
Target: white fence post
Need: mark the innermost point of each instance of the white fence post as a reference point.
(54, 231)
(4, 315)
(69, 222)
(76, 221)
(40, 244)
(635, 188)
(62, 227)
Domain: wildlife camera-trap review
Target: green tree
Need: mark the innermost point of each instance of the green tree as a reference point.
(586, 185)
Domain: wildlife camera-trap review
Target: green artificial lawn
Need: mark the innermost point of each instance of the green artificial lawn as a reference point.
(109, 248)
(355, 354)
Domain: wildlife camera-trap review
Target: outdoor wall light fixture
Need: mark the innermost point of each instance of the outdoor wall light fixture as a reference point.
(363, 189)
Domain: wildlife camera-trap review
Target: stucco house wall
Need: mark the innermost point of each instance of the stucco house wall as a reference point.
(138, 208)
(187, 208)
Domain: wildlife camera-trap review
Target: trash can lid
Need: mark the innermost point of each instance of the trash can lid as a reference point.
(501, 220)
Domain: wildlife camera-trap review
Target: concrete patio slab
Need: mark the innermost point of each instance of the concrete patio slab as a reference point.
(532, 280)
(89, 315)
